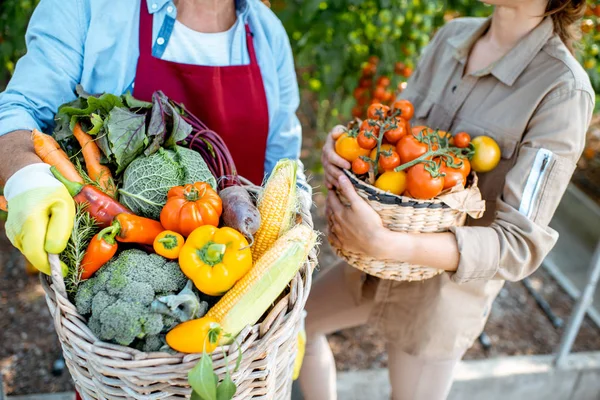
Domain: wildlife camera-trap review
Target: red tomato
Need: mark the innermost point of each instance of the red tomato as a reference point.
(359, 93)
(360, 166)
(369, 70)
(383, 81)
(388, 160)
(407, 110)
(379, 93)
(455, 175)
(421, 185)
(399, 68)
(374, 60)
(462, 140)
(377, 111)
(371, 125)
(366, 139)
(396, 131)
(357, 112)
(365, 83)
(409, 148)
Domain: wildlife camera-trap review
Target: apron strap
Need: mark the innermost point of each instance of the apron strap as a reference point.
(250, 45)
(145, 29)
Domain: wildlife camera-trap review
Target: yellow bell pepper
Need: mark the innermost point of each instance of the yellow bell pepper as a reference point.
(194, 336)
(301, 348)
(215, 259)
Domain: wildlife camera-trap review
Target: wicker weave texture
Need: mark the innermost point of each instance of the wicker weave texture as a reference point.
(402, 214)
(107, 371)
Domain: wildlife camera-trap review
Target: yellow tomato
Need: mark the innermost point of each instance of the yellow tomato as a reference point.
(487, 154)
(384, 147)
(347, 147)
(393, 182)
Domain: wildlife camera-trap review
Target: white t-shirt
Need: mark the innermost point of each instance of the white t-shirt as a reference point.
(187, 46)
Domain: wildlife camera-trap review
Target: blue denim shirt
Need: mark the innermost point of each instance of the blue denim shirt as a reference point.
(95, 43)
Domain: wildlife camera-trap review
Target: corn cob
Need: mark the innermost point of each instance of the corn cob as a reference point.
(277, 206)
(252, 295)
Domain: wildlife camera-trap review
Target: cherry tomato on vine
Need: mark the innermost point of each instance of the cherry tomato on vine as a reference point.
(419, 128)
(409, 148)
(366, 139)
(455, 175)
(347, 147)
(360, 166)
(374, 60)
(421, 184)
(399, 68)
(384, 147)
(487, 154)
(388, 160)
(462, 140)
(370, 124)
(377, 111)
(365, 83)
(369, 70)
(359, 93)
(407, 72)
(407, 110)
(357, 112)
(383, 81)
(379, 93)
(397, 131)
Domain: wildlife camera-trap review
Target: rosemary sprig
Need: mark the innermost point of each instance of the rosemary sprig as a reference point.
(84, 228)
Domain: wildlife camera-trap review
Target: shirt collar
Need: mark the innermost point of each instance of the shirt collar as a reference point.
(508, 68)
(157, 5)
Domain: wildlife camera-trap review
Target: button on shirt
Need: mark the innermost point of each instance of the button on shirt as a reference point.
(537, 103)
(95, 43)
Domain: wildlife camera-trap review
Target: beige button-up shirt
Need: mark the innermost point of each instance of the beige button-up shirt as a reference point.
(537, 103)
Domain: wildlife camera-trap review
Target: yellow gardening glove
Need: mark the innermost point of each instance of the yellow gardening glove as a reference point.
(40, 214)
(301, 348)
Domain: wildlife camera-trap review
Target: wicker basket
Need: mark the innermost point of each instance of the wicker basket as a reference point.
(405, 214)
(107, 371)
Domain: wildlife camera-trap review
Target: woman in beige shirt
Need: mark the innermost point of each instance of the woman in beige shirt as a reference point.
(512, 77)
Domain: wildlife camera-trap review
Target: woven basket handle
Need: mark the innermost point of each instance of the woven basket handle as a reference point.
(57, 279)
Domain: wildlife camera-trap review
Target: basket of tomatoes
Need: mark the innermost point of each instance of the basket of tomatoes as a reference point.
(418, 179)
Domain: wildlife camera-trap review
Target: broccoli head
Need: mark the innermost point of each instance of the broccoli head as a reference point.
(118, 299)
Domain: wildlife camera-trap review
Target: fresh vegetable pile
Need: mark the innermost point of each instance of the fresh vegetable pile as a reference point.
(160, 257)
(417, 162)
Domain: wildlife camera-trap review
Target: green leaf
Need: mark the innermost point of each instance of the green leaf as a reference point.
(226, 389)
(126, 135)
(195, 396)
(202, 380)
(97, 124)
(132, 102)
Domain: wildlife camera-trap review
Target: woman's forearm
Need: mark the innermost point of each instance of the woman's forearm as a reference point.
(436, 250)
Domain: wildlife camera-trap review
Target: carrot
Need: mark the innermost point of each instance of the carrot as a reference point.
(91, 154)
(50, 152)
(3, 204)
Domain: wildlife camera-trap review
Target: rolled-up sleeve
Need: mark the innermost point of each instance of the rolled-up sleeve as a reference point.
(47, 75)
(519, 239)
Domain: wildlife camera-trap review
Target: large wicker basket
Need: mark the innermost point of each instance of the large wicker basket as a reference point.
(405, 214)
(107, 371)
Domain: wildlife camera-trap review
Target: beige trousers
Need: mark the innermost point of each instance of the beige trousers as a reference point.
(330, 308)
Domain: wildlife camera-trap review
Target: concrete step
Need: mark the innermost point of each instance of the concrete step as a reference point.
(577, 220)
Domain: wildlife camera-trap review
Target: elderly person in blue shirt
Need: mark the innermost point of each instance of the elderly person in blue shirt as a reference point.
(228, 61)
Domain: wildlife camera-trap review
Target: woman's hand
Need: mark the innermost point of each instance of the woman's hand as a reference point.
(332, 162)
(356, 226)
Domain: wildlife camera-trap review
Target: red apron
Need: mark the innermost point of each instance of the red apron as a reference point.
(229, 100)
